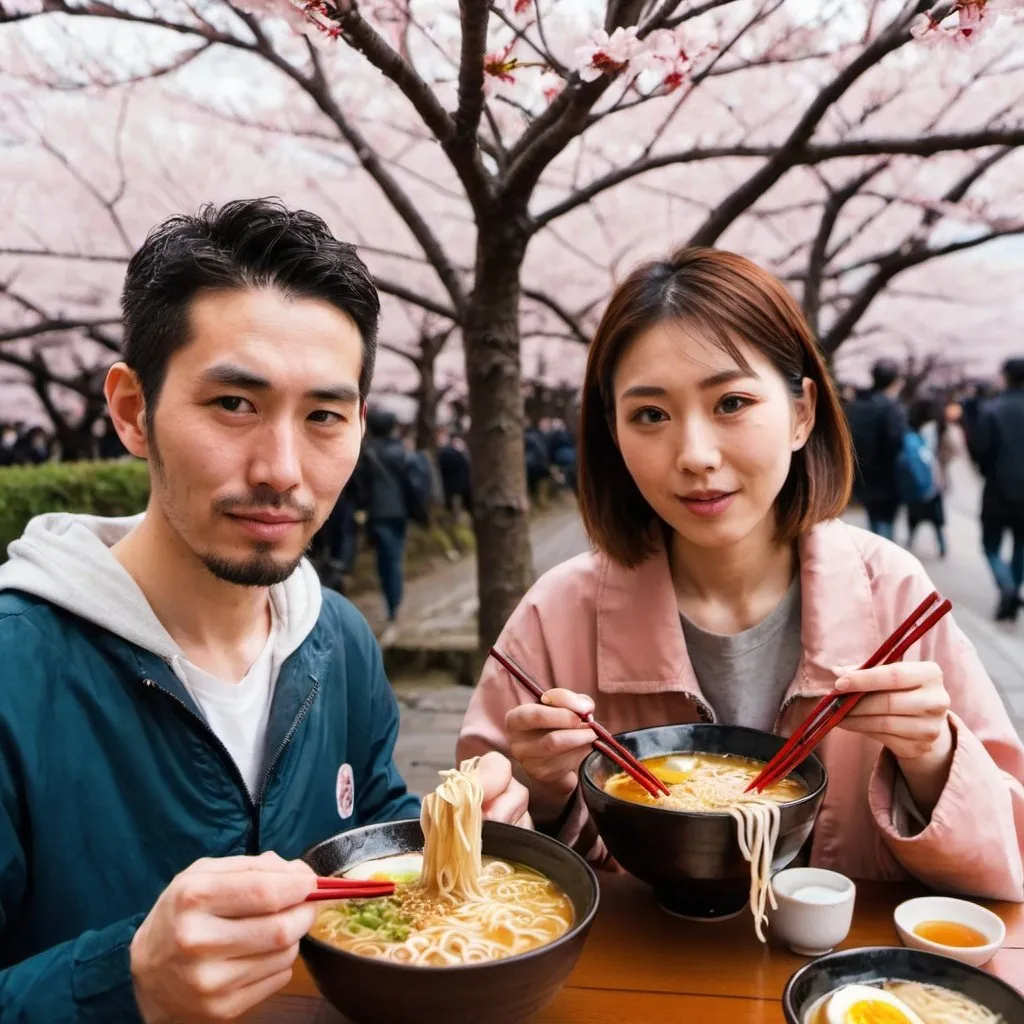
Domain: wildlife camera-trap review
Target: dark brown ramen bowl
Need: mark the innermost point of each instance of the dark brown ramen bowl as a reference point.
(885, 963)
(370, 991)
(692, 859)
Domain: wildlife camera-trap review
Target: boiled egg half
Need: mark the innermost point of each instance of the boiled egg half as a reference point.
(865, 1004)
(676, 769)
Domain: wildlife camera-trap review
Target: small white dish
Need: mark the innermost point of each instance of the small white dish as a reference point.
(815, 909)
(912, 913)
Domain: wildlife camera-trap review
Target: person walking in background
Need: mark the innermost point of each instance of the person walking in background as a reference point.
(920, 472)
(995, 445)
(538, 460)
(9, 455)
(340, 538)
(877, 425)
(453, 465)
(381, 483)
(562, 450)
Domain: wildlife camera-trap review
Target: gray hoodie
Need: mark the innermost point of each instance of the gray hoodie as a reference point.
(66, 560)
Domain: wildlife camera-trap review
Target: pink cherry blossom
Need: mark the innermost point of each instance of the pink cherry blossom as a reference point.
(500, 64)
(607, 55)
(522, 6)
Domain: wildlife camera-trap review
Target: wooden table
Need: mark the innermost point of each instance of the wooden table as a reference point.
(641, 966)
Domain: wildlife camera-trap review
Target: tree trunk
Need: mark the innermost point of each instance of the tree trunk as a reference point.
(426, 406)
(500, 503)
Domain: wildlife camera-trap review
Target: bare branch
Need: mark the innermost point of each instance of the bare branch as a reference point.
(569, 319)
(48, 326)
(787, 155)
(364, 38)
(400, 291)
(474, 16)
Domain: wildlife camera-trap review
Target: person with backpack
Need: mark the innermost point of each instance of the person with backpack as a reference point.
(877, 426)
(918, 474)
(995, 447)
(390, 493)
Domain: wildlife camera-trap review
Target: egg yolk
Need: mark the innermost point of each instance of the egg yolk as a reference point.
(874, 1011)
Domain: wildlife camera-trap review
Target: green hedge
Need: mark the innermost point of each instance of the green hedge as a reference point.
(101, 488)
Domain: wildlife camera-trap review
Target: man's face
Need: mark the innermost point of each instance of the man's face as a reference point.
(256, 430)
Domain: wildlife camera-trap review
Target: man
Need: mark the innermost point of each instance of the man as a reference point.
(383, 494)
(995, 445)
(877, 425)
(182, 709)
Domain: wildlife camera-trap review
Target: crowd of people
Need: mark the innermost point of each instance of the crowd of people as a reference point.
(904, 450)
(24, 444)
(395, 483)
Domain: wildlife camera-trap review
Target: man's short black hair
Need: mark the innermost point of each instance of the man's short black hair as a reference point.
(884, 373)
(1013, 371)
(247, 243)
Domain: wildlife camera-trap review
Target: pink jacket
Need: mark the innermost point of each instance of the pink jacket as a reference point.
(592, 626)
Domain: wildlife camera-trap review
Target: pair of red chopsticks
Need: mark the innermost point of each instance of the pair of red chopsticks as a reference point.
(834, 707)
(606, 743)
(349, 889)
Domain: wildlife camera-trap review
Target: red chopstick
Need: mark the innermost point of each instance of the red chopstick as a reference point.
(606, 743)
(834, 707)
(349, 889)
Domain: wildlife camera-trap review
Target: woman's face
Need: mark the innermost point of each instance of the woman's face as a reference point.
(708, 443)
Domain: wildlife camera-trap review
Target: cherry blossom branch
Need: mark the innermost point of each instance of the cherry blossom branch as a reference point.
(316, 87)
(564, 119)
(914, 251)
(465, 159)
(917, 145)
(897, 34)
(696, 12)
(818, 256)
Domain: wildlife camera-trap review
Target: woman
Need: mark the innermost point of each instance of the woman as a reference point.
(713, 462)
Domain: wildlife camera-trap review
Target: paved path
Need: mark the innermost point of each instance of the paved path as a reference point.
(441, 608)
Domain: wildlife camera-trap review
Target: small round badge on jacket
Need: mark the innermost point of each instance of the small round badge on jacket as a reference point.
(345, 791)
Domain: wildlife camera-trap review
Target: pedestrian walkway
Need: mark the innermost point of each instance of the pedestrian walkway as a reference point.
(439, 608)
(440, 613)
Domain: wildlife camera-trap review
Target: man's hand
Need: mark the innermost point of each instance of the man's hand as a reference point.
(222, 937)
(505, 798)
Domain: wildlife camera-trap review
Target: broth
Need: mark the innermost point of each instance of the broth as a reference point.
(951, 933)
(520, 910)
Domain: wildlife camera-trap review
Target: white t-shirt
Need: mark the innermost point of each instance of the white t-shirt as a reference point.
(238, 712)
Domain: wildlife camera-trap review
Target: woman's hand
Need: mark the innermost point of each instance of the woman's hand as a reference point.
(906, 709)
(505, 797)
(549, 740)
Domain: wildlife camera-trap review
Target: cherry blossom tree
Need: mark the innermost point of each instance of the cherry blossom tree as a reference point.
(513, 144)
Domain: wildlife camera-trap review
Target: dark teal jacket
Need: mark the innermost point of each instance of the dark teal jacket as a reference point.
(111, 783)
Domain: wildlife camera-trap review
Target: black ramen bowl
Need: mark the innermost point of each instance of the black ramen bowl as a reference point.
(895, 963)
(369, 991)
(693, 859)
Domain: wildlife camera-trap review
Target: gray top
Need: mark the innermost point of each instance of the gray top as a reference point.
(744, 676)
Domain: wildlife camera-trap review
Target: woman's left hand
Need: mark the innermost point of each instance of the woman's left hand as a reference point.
(905, 708)
(505, 797)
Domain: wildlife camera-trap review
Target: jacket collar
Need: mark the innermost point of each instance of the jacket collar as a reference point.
(640, 643)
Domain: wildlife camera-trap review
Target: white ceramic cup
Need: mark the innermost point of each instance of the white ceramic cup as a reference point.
(815, 909)
(910, 914)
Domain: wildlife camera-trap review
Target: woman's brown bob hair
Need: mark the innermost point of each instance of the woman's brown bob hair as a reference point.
(725, 297)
